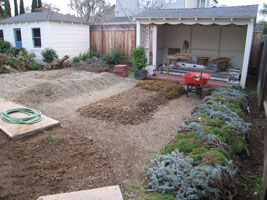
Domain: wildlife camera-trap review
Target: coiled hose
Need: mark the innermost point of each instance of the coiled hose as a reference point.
(34, 116)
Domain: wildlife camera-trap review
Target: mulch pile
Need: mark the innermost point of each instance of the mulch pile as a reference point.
(133, 106)
(169, 89)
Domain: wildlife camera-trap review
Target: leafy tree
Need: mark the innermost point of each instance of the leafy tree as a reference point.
(91, 10)
(21, 7)
(16, 7)
(34, 5)
(7, 8)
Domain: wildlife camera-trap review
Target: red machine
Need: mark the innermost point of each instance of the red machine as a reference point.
(195, 82)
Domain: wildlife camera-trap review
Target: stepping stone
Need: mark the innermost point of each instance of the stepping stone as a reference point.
(16, 131)
(105, 193)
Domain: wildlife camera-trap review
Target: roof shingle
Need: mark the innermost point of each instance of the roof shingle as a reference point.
(41, 16)
(249, 11)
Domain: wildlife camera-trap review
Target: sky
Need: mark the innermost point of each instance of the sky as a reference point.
(64, 8)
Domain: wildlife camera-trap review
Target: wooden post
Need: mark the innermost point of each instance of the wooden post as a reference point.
(102, 40)
(154, 46)
(247, 54)
(138, 34)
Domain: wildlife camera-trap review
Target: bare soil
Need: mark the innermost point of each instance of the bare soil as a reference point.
(251, 166)
(91, 152)
(133, 106)
(95, 67)
(29, 169)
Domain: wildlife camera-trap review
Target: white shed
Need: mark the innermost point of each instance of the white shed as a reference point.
(39, 30)
(221, 31)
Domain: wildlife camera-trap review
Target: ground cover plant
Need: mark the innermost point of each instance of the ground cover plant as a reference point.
(197, 163)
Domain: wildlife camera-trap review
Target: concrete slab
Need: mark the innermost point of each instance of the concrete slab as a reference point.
(16, 131)
(105, 193)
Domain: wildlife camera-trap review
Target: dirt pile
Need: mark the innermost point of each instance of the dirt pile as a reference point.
(28, 169)
(133, 106)
(169, 89)
(64, 87)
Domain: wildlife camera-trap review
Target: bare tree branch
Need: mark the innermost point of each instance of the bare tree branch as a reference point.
(91, 10)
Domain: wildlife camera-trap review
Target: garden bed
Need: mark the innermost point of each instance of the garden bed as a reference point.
(136, 105)
(197, 163)
(133, 106)
(30, 169)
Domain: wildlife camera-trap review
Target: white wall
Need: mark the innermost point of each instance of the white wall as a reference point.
(214, 40)
(26, 36)
(65, 38)
(69, 39)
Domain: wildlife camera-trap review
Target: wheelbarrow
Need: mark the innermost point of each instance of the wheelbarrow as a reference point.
(195, 82)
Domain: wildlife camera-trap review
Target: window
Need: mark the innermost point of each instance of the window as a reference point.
(1, 35)
(202, 3)
(36, 37)
(170, 1)
(146, 3)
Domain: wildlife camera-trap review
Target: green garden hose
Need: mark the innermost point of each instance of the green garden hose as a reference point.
(34, 116)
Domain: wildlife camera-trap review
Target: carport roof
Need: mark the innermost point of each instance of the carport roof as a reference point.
(244, 12)
(41, 16)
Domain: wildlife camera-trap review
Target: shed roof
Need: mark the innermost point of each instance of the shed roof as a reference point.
(118, 20)
(249, 11)
(41, 16)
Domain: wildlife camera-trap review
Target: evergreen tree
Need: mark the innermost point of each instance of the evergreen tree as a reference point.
(7, 8)
(21, 7)
(16, 7)
(34, 5)
(2, 13)
(39, 4)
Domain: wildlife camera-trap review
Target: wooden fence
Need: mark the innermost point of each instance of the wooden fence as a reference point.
(261, 92)
(105, 37)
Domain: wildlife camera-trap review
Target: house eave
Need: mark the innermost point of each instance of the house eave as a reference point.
(57, 21)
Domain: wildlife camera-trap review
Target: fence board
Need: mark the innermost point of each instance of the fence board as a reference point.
(106, 37)
(262, 75)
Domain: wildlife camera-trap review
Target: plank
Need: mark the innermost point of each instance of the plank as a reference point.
(16, 131)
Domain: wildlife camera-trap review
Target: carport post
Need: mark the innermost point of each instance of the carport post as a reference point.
(247, 53)
(138, 34)
(155, 36)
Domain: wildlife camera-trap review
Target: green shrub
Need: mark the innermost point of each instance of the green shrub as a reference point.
(3, 59)
(138, 58)
(16, 51)
(76, 59)
(92, 53)
(13, 62)
(84, 56)
(49, 55)
(35, 66)
(115, 54)
(4, 47)
(107, 57)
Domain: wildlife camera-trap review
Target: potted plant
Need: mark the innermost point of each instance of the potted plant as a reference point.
(139, 60)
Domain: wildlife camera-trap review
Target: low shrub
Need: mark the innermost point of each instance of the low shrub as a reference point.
(3, 58)
(115, 54)
(49, 55)
(92, 53)
(35, 66)
(4, 47)
(107, 57)
(76, 59)
(16, 51)
(84, 56)
(13, 62)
